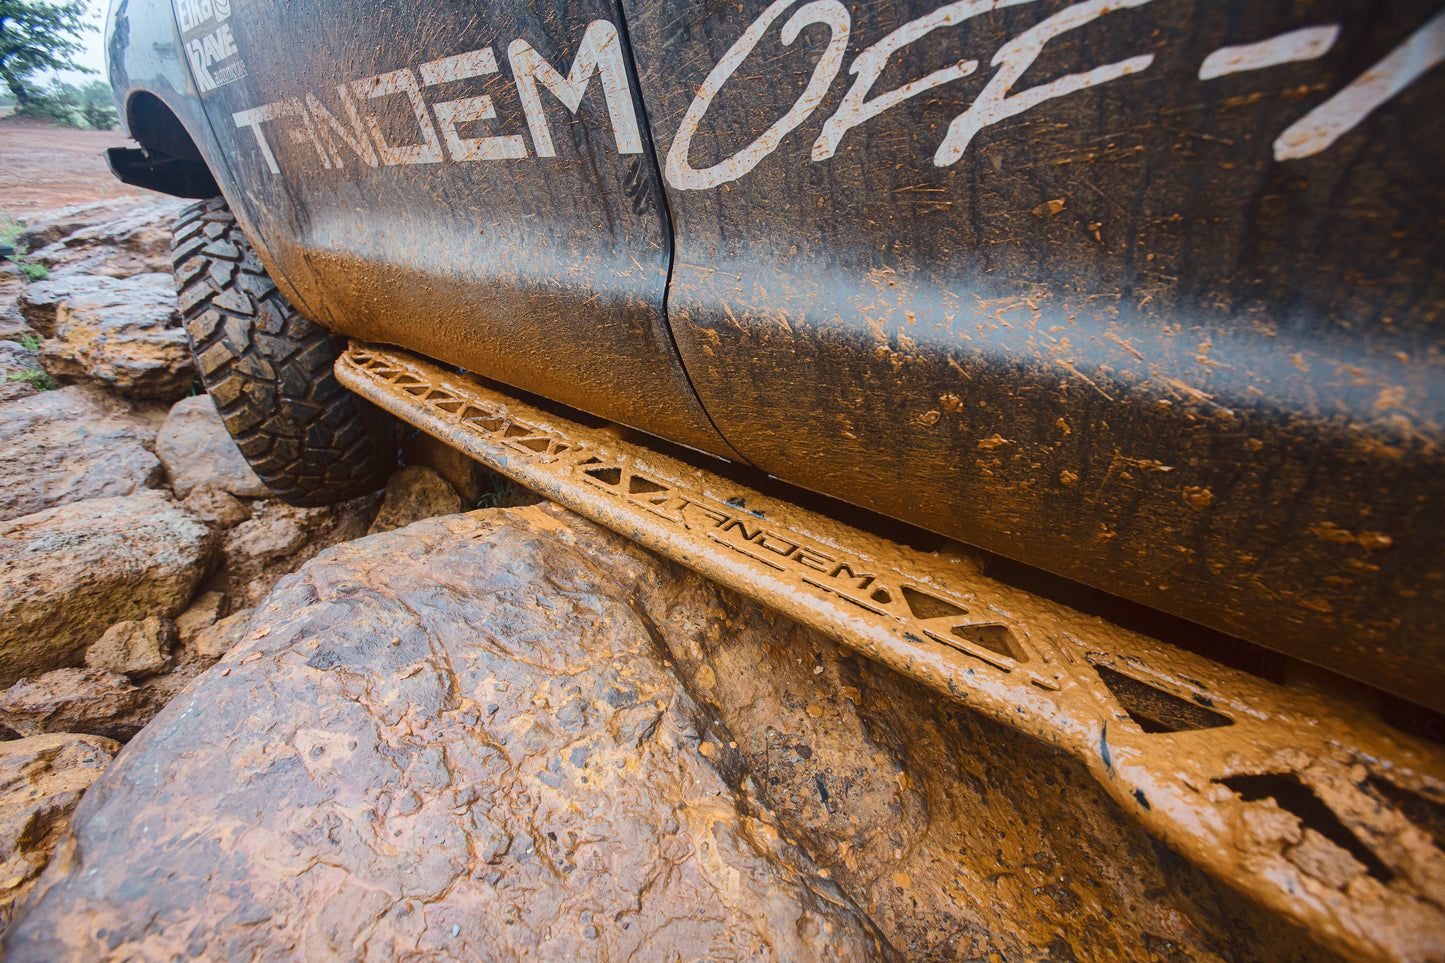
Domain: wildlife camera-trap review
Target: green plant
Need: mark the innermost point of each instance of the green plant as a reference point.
(9, 231)
(502, 489)
(100, 116)
(39, 379)
(30, 342)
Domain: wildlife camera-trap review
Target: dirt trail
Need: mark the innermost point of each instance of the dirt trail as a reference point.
(43, 167)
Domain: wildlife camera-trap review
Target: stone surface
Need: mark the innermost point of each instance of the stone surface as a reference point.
(127, 240)
(13, 327)
(456, 741)
(134, 648)
(198, 452)
(215, 507)
(278, 538)
(39, 303)
(19, 367)
(478, 485)
(214, 641)
(41, 780)
(50, 226)
(72, 572)
(414, 493)
(92, 701)
(202, 613)
(78, 442)
(124, 333)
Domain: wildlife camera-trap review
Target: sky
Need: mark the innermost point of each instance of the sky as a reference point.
(94, 54)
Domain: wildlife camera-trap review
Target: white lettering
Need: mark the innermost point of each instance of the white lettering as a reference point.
(257, 116)
(450, 113)
(429, 151)
(1327, 123)
(680, 173)
(599, 53)
(219, 45)
(1017, 56)
(869, 64)
(331, 129)
(1306, 44)
(196, 54)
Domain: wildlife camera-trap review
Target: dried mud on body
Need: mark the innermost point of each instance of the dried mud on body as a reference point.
(512, 733)
(365, 732)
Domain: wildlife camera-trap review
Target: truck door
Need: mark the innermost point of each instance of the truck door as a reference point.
(1144, 292)
(473, 181)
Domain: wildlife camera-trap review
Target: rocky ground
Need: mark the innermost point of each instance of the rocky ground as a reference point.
(397, 728)
(134, 539)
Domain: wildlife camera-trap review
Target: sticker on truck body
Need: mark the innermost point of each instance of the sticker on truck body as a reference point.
(337, 125)
(209, 43)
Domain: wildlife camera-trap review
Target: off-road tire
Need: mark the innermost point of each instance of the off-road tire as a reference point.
(269, 370)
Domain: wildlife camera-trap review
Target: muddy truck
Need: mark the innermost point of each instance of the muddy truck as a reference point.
(1083, 361)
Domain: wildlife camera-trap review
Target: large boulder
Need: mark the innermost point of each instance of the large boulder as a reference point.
(72, 572)
(41, 781)
(75, 443)
(458, 740)
(47, 227)
(198, 452)
(115, 239)
(125, 333)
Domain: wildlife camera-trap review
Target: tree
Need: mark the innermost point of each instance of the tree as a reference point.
(38, 36)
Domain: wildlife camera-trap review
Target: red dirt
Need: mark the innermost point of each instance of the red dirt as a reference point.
(43, 166)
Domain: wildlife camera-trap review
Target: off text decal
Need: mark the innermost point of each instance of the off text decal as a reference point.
(998, 100)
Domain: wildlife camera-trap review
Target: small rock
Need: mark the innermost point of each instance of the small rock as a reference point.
(75, 443)
(414, 493)
(216, 640)
(20, 371)
(125, 333)
(17, 359)
(14, 328)
(278, 538)
(94, 701)
(215, 507)
(41, 781)
(72, 572)
(277, 530)
(198, 452)
(134, 648)
(200, 615)
(478, 485)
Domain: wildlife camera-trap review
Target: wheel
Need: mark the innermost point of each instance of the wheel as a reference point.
(268, 369)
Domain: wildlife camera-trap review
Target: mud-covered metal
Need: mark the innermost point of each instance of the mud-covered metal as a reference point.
(1302, 800)
(474, 181)
(1144, 292)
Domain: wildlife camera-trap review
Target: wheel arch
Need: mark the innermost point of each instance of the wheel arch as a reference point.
(168, 159)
